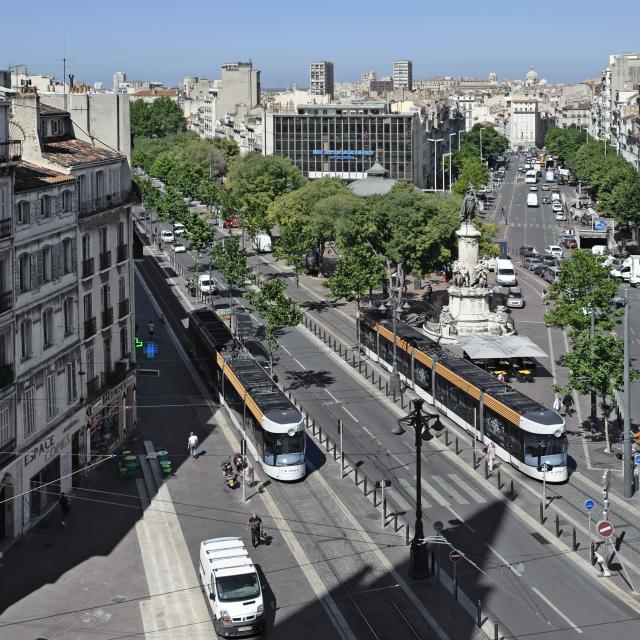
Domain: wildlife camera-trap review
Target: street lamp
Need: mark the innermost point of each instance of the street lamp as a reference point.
(435, 161)
(455, 133)
(626, 438)
(481, 129)
(396, 305)
(460, 137)
(418, 555)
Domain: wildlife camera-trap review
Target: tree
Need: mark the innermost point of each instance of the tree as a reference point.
(494, 144)
(488, 234)
(626, 201)
(159, 118)
(231, 261)
(274, 306)
(295, 243)
(565, 144)
(201, 236)
(473, 173)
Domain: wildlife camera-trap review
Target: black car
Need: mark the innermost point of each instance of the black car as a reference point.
(527, 250)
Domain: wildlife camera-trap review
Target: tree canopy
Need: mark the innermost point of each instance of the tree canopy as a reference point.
(473, 173)
(565, 143)
(156, 119)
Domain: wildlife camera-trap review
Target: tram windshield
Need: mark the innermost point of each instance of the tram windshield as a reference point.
(545, 448)
(283, 450)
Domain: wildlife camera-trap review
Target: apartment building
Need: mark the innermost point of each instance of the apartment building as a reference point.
(70, 392)
(403, 74)
(321, 80)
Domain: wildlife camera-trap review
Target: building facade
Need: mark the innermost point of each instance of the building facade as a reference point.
(239, 86)
(403, 74)
(321, 81)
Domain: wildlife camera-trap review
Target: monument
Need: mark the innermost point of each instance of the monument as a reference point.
(469, 311)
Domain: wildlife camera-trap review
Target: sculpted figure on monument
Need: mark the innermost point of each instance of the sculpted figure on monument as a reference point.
(469, 206)
(479, 278)
(460, 275)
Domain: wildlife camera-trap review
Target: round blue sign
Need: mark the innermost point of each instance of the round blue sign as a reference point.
(637, 458)
(438, 526)
(589, 504)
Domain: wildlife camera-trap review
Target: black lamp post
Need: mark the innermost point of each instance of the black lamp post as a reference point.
(418, 555)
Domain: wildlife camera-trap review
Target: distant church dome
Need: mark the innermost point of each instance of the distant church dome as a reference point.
(532, 76)
(544, 81)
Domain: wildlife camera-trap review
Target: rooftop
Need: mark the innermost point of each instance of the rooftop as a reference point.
(29, 177)
(149, 93)
(48, 110)
(71, 152)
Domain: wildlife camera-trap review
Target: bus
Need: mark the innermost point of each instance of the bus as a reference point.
(531, 176)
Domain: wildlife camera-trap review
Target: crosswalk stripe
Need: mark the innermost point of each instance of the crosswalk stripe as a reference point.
(448, 489)
(467, 487)
(398, 500)
(434, 493)
(411, 489)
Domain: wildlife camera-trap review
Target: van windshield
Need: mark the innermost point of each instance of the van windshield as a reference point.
(242, 587)
(507, 272)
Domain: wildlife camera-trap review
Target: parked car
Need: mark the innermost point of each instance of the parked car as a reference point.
(167, 236)
(570, 243)
(529, 262)
(561, 216)
(178, 248)
(539, 269)
(207, 285)
(527, 249)
(515, 299)
(551, 274)
(546, 187)
(179, 229)
(533, 188)
(553, 250)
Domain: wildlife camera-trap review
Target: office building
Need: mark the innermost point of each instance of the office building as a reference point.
(403, 74)
(321, 78)
(239, 87)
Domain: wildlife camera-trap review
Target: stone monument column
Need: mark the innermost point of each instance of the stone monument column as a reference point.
(468, 245)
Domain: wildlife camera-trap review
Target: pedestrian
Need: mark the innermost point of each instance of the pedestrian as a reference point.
(567, 401)
(64, 508)
(255, 522)
(151, 328)
(491, 455)
(192, 444)
(429, 290)
(501, 377)
(557, 403)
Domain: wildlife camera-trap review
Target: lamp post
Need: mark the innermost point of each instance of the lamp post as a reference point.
(481, 130)
(455, 133)
(435, 161)
(396, 305)
(418, 554)
(460, 137)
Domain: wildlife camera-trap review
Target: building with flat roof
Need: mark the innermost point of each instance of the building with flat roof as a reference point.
(321, 78)
(403, 74)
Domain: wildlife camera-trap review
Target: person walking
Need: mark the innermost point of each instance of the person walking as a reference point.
(151, 328)
(567, 401)
(491, 455)
(192, 444)
(557, 403)
(64, 508)
(255, 522)
(501, 377)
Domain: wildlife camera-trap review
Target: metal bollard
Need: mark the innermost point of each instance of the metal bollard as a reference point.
(395, 522)
(340, 349)
(329, 339)
(335, 452)
(320, 435)
(373, 377)
(366, 371)
(475, 465)
(557, 526)
(384, 513)
(380, 382)
(446, 437)
(541, 513)
(496, 631)
(575, 540)
(593, 553)
(513, 493)
(407, 533)
(479, 613)
(356, 476)
(457, 447)
(486, 469)
(401, 401)
(387, 389)
(306, 422)
(499, 481)
(313, 427)
(353, 360)
(360, 366)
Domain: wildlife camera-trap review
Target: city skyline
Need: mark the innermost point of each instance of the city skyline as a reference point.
(506, 41)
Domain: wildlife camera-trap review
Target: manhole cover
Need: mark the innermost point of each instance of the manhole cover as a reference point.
(48, 545)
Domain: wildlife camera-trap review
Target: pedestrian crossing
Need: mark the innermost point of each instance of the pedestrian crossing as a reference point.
(437, 491)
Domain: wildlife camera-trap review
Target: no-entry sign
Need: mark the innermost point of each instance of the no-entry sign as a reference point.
(454, 556)
(604, 528)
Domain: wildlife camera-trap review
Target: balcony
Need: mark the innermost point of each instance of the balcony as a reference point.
(103, 203)
(89, 327)
(123, 308)
(88, 267)
(123, 252)
(6, 301)
(105, 260)
(107, 317)
(10, 150)
(93, 387)
(116, 376)
(6, 228)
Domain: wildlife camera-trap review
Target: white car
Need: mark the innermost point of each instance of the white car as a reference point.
(553, 250)
(557, 206)
(560, 215)
(167, 236)
(179, 229)
(179, 248)
(207, 285)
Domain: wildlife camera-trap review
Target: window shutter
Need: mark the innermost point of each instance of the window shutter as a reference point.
(35, 261)
(56, 270)
(74, 256)
(16, 275)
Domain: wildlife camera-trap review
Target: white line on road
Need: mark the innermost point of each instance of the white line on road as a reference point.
(285, 349)
(503, 559)
(351, 415)
(458, 497)
(574, 626)
(458, 517)
(332, 396)
(467, 487)
(411, 490)
(299, 363)
(368, 432)
(436, 495)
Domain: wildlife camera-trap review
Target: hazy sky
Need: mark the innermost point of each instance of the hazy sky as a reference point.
(162, 40)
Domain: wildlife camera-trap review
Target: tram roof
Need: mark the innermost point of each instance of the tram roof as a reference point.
(471, 372)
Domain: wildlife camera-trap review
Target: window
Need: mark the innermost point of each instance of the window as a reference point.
(25, 339)
(100, 191)
(46, 264)
(105, 295)
(4, 354)
(84, 187)
(72, 387)
(47, 328)
(106, 343)
(29, 411)
(50, 396)
(67, 312)
(45, 206)
(121, 240)
(124, 341)
(86, 246)
(5, 433)
(67, 256)
(122, 289)
(54, 127)
(87, 304)
(25, 272)
(23, 212)
(91, 366)
(67, 201)
(103, 240)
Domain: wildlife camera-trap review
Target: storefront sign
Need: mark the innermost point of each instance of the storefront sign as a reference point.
(47, 449)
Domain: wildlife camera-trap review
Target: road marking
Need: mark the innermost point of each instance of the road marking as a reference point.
(350, 414)
(286, 350)
(411, 490)
(332, 396)
(460, 519)
(368, 432)
(467, 487)
(434, 493)
(574, 626)
(458, 497)
(503, 559)
(299, 363)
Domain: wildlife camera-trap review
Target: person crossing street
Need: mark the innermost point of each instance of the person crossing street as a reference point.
(255, 522)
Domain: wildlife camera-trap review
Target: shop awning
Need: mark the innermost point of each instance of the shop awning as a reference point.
(503, 347)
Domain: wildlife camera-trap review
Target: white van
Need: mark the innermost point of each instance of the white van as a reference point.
(505, 273)
(262, 243)
(532, 200)
(230, 580)
(555, 197)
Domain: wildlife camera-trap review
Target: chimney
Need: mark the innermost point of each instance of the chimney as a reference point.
(26, 113)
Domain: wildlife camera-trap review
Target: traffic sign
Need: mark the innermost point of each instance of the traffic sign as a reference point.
(637, 458)
(438, 525)
(604, 528)
(600, 224)
(589, 504)
(454, 556)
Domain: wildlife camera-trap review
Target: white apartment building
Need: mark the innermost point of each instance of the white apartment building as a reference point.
(70, 392)
(321, 81)
(524, 126)
(403, 74)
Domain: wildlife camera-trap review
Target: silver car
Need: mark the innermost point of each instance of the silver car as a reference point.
(515, 299)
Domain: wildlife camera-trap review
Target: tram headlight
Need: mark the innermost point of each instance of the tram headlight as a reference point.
(292, 432)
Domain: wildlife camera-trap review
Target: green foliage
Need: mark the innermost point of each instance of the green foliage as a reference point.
(273, 305)
(473, 173)
(156, 119)
(565, 143)
(494, 144)
(296, 241)
(358, 270)
(583, 285)
(201, 234)
(231, 261)
(626, 201)
(488, 234)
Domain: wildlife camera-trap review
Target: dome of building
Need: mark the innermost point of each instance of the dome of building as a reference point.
(532, 75)
(544, 81)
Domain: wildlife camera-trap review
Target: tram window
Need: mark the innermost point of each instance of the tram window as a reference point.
(442, 390)
(422, 376)
(538, 446)
(386, 350)
(404, 363)
(515, 441)
(496, 427)
(368, 337)
(281, 449)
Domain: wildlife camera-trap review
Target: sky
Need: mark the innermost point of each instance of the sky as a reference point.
(167, 40)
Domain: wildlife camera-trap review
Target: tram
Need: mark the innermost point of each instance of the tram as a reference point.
(526, 434)
(270, 423)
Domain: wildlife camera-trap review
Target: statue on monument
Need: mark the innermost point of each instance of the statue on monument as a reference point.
(479, 278)
(469, 206)
(460, 274)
